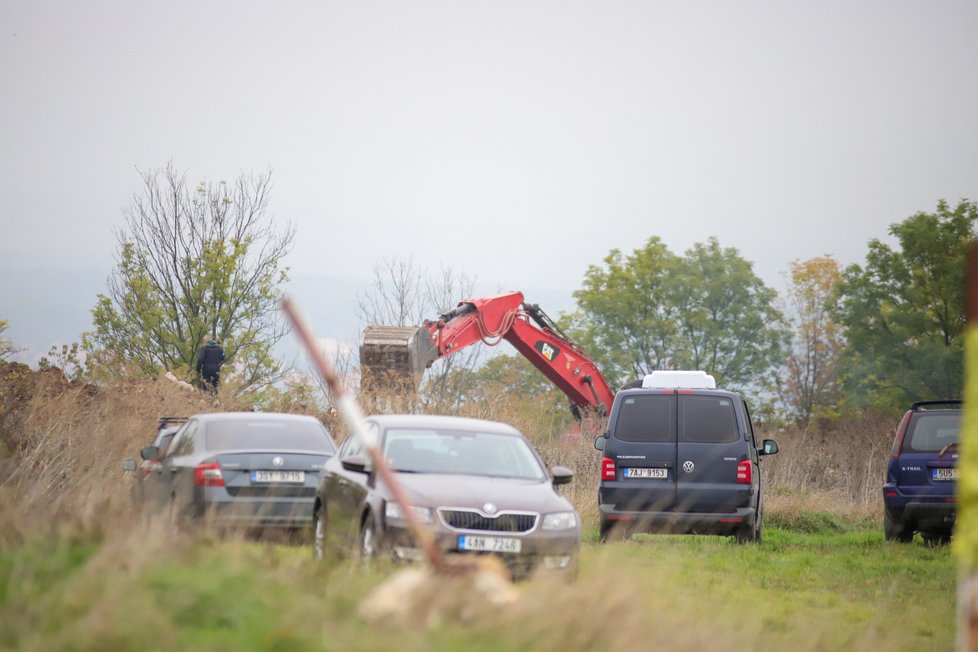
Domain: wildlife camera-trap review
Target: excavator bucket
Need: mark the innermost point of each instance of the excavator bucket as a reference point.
(402, 351)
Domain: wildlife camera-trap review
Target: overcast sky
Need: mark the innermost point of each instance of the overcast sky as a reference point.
(516, 142)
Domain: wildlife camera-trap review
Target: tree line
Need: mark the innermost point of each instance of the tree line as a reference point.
(205, 260)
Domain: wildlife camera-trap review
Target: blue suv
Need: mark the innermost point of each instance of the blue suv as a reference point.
(918, 495)
(680, 457)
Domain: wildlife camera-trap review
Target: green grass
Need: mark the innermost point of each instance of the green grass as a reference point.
(828, 589)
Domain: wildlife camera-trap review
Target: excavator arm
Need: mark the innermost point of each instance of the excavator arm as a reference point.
(410, 350)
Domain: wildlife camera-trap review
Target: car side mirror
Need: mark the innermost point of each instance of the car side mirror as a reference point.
(600, 441)
(129, 465)
(770, 447)
(354, 463)
(561, 475)
(150, 453)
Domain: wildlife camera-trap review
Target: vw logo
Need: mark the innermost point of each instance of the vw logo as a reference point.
(489, 508)
(278, 461)
(688, 466)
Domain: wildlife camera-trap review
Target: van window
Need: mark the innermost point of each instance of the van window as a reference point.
(707, 420)
(648, 418)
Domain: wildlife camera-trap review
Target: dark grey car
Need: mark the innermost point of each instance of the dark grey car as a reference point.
(242, 469)
(478, 485)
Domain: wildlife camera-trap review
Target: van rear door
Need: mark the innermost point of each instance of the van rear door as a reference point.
(643, 446)
(710, 447)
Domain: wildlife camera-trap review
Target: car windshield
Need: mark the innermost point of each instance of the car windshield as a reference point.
(267, 434)
(467, 452)
(933, 433)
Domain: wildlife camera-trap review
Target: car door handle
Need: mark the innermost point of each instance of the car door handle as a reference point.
(174, 470)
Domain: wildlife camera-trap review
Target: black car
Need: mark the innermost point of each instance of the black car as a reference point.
(240, 469)
(680, 457)
(478, 485)
(918, 495)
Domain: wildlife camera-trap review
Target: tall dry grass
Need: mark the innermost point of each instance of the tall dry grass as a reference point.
(63, 444)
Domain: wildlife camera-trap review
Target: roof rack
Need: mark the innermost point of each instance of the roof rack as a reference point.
(948, 404)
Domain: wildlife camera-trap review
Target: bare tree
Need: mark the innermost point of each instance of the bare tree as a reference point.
(405, 294)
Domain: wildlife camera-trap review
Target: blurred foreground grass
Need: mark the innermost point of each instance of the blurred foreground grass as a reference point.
(799, 590)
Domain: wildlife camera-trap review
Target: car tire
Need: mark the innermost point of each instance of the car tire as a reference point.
(895, 529)
(367, 544)
(319, 533)
(751, 534)
(934, 539)
(612, 531)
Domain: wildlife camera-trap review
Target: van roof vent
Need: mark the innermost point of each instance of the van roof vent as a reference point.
(680, 380)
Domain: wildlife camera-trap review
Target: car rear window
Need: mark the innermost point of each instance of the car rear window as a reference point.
(267, 434)
(646, 418)
(930, 433)
(707, 420)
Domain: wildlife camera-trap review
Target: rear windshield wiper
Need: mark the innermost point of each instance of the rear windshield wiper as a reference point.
(944, 450)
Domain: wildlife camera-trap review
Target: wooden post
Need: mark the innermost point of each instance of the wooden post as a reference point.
(354, 418)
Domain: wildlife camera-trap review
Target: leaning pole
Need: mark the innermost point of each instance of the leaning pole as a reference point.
(965, 543)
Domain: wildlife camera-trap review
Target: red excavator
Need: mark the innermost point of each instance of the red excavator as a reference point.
(408, 351)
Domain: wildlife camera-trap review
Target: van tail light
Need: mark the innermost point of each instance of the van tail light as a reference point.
(744, 472)
(208, 475)
(608, 469)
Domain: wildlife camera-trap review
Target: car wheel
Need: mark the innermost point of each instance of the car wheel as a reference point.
(749, 534)
(933, 539)
(367, 550)
(319, 533)
(613, 531)
(895, 529)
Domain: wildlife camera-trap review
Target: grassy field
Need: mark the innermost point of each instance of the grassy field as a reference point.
(821, 590)
(75, 574)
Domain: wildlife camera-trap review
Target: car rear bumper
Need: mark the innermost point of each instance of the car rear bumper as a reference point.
(679, 522)
(247, 513)
(925, 515)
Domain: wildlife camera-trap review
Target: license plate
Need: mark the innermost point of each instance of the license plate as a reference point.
(946, 474)
(278, 476)
(635, 472)
(489, 544)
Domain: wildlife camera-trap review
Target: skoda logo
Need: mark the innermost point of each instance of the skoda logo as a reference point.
(688, 466)
(489, 508)
(277, 461)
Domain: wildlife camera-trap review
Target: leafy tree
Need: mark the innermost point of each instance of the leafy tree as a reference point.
(7, 347)
(194, 262)
(727, 321)
(904, 311)
(809, 380)
(655, 310)
(626, 316)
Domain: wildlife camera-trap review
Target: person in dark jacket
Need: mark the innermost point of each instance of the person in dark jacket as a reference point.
(209, 361)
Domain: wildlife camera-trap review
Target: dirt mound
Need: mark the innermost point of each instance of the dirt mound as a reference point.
(62, 443)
